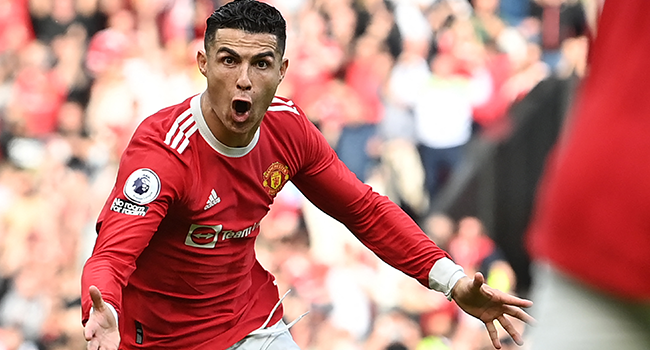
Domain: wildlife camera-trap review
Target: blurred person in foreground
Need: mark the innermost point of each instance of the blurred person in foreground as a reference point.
(174, 265)
(590, 234)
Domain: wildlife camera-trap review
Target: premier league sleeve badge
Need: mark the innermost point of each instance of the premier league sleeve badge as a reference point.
(142, 186)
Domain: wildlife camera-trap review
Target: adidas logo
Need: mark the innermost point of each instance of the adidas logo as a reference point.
(212, 200)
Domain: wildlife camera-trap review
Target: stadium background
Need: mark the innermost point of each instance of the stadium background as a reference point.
(77, 76)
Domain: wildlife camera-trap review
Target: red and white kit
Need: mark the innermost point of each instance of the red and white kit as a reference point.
(175, 249)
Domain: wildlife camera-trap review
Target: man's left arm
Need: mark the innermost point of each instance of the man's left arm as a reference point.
(394, 237)
(380, 225)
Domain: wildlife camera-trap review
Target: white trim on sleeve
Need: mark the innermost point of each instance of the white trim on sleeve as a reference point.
(444, 275)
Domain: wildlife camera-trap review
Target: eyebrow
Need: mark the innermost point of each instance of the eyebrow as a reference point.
(264, 54)
(235, 54)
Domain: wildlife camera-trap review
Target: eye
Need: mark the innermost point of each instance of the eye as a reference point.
(262, 64)
(228, 60)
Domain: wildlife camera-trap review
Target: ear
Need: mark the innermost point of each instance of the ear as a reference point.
(202, 62)
(283, 68)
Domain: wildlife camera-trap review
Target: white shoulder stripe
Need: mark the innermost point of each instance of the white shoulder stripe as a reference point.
(178, 135)
(181, 132)
(283, 108)
(186, 142)
(172, 130)
(277, 100)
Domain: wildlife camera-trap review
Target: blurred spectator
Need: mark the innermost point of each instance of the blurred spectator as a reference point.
(437, 327)
(51, 18)
(574, 58)
(441, 228)
(486, 20)
(69, 53)
(25, 305)
(558, 20)
(348, 284)
(439, 16)
(11, 338)
(365, 75)
(514, 11)
(492, 31)
(176, 20)
(392, 328)
(396, 346)
(37, 94)
(443, 117)
(330, 337)
(471, 245)
(399, 155)
(408, 74)
(528, 68)
(112, 107)
(15, 26)
(71, 145)
(315, 59)
(403, 176)
(335, 103)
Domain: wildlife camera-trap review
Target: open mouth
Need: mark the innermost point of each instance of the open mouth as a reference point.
(241, 107)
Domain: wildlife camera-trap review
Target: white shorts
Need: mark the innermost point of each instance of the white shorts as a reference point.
(281, 340)
(572, 316)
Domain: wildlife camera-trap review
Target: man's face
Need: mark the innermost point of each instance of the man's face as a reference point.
(243, 71)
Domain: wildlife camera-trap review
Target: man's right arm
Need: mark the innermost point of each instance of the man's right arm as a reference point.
(146, 184)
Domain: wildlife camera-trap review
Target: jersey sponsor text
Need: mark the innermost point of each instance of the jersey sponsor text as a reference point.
(126, 207)
(240, 234)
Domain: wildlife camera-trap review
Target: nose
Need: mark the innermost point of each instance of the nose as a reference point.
(243, 81)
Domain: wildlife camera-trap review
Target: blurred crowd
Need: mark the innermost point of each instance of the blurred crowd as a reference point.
(398, 87)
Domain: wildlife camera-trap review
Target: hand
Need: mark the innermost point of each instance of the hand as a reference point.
(488, 304)
(101, 330)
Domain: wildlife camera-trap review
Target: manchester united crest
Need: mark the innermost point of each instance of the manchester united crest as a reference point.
(275, 177)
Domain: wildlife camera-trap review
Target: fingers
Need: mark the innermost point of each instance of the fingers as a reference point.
(96, 296)
(507, 325)
(494, 335)
(88, 333)
(479, 280)
(505, 298)
(520, 314)
(515, 301)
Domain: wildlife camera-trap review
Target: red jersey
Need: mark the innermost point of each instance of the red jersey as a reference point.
(175, 247)
(592, 219)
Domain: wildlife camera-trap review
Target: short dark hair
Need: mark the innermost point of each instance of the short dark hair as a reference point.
(251, 16)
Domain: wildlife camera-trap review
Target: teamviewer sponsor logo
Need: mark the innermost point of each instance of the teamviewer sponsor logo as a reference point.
(207, 236)
(203, 236)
